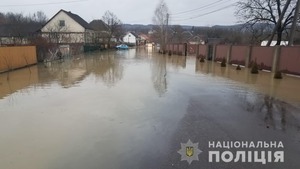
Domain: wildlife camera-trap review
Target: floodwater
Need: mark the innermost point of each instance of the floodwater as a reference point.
(132, 109)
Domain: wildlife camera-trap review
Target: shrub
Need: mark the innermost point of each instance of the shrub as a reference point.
(202, 59)
(254, 69)
(278, 75)
(223, 63)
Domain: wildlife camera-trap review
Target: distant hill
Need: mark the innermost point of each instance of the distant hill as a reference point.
(139, 28)
(146, 28)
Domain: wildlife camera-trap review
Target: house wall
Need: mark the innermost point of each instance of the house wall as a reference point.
(129, 38)
(70, 24)
(17, 57)
(62, 38)
(89, 36)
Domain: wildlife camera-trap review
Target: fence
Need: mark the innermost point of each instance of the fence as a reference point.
(17, 57)
(276, 58)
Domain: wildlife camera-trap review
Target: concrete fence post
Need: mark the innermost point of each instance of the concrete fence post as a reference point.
(214, 52)
(197, 50)
(185, 46)
(228, 57)
(276, 59)
(207, 52)
(248, 57)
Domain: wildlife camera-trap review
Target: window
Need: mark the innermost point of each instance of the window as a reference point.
(62, 23)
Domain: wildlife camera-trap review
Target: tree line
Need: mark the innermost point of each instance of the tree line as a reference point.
(15, 18)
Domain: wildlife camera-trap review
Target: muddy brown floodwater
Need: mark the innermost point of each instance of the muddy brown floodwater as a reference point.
(132, 109)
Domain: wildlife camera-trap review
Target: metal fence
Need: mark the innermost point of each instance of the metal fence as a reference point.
(17, 57)
(276, 58)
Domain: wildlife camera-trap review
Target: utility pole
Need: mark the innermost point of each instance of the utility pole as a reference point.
(293, 29)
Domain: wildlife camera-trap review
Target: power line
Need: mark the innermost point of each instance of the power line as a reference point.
(178, 17)
(48, 3)
(204, 14)
(205, 6)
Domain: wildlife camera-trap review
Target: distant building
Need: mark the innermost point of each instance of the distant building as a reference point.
(131, 38)
(143, 39)
(101, 31)
(273, 43)
(198, 39)
(11, 34)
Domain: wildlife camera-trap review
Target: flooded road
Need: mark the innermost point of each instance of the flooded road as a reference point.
(132, 109)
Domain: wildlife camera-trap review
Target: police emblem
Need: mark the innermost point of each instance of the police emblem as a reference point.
(189, 152)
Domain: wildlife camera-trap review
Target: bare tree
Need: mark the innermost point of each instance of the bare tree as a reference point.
(40, 17)
(176, 34)
(20, 27)
(267, 11)
(114, 25)
(257, 33)
(160, 21)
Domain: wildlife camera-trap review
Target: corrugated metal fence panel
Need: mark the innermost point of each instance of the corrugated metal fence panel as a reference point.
(17, 57)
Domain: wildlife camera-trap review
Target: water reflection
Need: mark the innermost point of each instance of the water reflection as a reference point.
(264, 82)
(159, 74)
(160, 65)
(269, 106)
(18, 80)
(104, 66)
(125, 54)
(176, 61)
(276, 114)
(150, 97)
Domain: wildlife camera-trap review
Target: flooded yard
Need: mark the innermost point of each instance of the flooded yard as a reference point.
(132, 109)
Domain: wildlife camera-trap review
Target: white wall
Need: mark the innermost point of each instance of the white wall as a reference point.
(129, 38)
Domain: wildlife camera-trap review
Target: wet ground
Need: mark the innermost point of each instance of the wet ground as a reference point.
(132, 109)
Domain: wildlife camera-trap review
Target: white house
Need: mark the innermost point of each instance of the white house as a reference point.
(67, 28)
(130, 38)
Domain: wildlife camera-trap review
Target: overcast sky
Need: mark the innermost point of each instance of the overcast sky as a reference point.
(184, 12)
